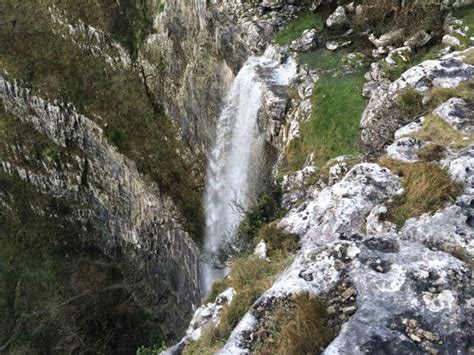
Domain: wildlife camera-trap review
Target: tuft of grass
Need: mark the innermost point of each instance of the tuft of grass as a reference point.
(436, 130)
(431, 152)
(305, 328)
(277, 240)
(469, 56)
(250, 277)
(295, 28)
(440, 95)
(410, 101)
(427, 187)
(218, 287)
(334, 126)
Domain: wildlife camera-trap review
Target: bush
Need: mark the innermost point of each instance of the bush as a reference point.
(410, 101)
(427, 187)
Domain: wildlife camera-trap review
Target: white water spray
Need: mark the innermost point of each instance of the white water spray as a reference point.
(234, 159)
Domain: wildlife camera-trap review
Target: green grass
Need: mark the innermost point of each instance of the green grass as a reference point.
(250, 277)
(410, 101)
(295, 28)
(334, 126)
(466, 14)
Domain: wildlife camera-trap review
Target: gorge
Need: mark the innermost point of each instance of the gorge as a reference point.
(236, 177)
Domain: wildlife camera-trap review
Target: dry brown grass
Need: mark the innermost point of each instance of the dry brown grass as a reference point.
(250, 277)
(436, 130)
(427, 187)
(464, 91)
(302, 328)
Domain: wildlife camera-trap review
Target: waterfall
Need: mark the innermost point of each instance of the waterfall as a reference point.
(233, 164)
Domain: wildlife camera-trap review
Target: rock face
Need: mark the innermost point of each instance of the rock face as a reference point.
(126, 213)
(383, 116)
(199, 48)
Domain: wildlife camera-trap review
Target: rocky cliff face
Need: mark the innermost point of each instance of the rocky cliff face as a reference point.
(109, 199)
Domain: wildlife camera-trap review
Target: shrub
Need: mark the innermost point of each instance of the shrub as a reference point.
(427, 187)
(410, 101)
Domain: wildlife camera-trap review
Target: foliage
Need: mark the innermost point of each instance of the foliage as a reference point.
(431, 152)
(439, 95)
(250, 277)
(277, 240)
(466, 14)
(295, 28)
(410, 101)
(427, 187)
(387, 15)
(334, 126)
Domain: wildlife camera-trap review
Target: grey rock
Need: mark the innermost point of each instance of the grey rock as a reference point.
(457, 113)
(307, 41)
(338, 18)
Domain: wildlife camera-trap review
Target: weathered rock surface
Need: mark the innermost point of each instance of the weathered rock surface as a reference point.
(338, 18)
(383, 117)
(307, 41)
(124, 211)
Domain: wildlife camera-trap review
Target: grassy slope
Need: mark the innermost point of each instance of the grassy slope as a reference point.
(337, 106)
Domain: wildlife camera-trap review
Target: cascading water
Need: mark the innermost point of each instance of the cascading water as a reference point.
(234, 159)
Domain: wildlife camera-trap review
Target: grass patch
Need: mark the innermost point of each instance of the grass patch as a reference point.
(334, 126)
(301, 328)
(431, 152)
(277, 240)
(466, 14)
(436, 130)
(294, 29)
(427, 187)
(439, 95)
(410, 101)
(250, 277)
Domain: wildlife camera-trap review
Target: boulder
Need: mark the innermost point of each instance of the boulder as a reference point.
(338, 18)
(418, 40)
(451, 41)
(387, 39)
(307, 41)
